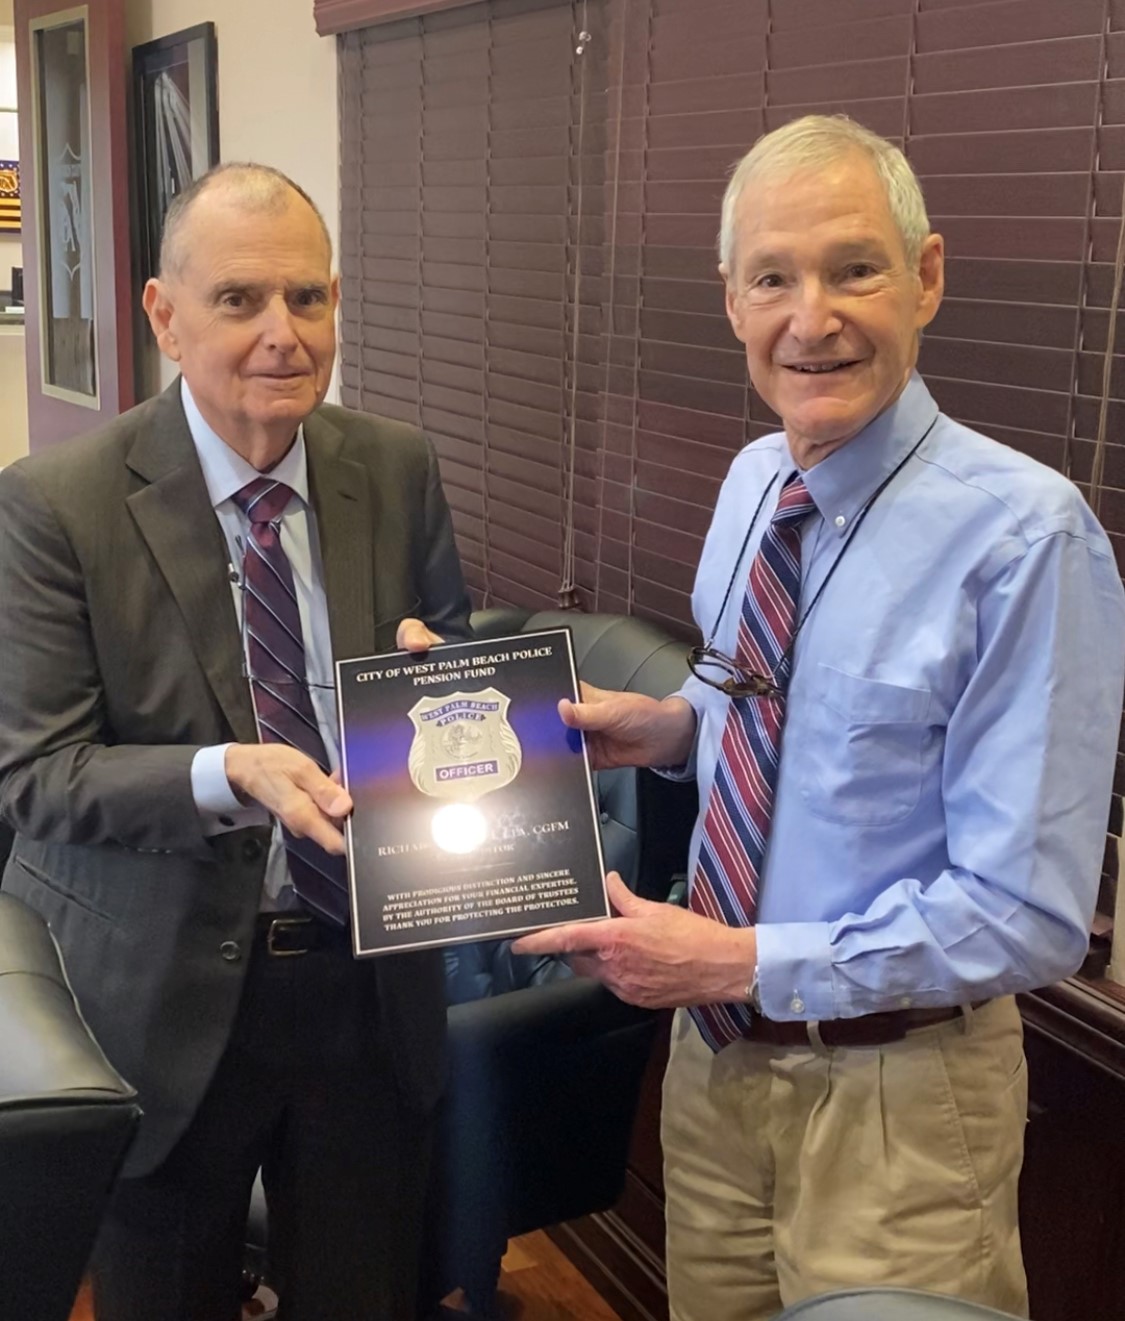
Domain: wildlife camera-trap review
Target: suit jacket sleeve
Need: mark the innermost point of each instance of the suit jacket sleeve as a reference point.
(61, 778)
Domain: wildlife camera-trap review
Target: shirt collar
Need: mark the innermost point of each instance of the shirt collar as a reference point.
(226, 472)
(841, 484)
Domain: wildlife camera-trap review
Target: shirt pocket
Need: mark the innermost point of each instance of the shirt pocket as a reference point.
(862, 761)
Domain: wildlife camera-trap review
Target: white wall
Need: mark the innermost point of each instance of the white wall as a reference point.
(277, 100)
(13, 377)
(11, 250)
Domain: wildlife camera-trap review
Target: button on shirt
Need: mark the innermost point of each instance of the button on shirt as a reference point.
(951, 725)
(225, 473)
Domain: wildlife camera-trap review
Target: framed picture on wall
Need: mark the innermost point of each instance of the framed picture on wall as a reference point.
(175, 86)
(10, 220)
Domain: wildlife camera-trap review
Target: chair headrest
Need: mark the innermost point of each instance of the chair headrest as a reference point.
(619, 651)
(610, 651)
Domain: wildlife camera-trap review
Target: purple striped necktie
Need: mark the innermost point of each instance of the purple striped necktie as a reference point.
(276, 659)
(736, 826)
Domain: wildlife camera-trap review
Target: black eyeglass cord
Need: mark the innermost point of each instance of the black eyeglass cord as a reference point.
(782, 667)
(237, 577)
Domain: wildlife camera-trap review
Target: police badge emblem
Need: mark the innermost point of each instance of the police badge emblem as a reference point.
(463, 745)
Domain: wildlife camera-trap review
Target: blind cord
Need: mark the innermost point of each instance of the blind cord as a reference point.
(1097, 471)
(568, 595)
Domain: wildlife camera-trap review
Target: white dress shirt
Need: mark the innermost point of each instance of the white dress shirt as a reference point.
(226, 473)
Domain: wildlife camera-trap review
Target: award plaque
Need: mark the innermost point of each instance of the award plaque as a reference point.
(474, 809)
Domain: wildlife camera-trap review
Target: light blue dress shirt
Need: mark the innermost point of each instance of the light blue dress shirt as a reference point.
(952, 722)
(226, 473)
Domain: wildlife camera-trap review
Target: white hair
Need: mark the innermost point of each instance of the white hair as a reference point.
(814, 142)
(257, 188)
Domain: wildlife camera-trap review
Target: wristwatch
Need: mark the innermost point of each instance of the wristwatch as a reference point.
(753, 993)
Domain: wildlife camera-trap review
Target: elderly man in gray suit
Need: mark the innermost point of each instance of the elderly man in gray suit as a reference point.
(175, 588)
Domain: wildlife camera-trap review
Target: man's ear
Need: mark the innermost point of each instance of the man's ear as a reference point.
(734, 315)
(335, 292)
(157, 303)
(931, 278)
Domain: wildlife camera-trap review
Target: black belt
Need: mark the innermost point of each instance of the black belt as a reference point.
(285, 934)
(867, 1030)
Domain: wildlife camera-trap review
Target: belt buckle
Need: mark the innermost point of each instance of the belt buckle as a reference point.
(278, 925)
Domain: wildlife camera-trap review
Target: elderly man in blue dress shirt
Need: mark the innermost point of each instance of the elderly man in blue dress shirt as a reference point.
(903, 725)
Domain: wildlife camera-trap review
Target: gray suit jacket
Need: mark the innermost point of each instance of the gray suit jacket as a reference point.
(119, 658)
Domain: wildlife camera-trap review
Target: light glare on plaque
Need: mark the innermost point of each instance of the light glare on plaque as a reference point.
(459, 828)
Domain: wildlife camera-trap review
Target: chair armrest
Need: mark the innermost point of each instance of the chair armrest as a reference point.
(66, 1121)
(540, 1018)
(498, 621)
(47, 1053)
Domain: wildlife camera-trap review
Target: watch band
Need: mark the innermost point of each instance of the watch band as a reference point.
(753, 993)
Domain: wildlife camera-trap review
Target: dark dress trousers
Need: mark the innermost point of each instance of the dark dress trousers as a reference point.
(120, 658)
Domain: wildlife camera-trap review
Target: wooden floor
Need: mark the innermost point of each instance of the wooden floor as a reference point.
(538, 1283)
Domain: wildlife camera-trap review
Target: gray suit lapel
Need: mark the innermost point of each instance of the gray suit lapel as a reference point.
(339, 490)
(174, 515)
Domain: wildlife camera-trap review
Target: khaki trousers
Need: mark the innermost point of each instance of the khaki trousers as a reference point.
(791, 1171)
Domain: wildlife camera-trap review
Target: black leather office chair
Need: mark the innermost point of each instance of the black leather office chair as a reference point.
(889, 1305)
(66, 1121)
(646, 820)
(544, 1081)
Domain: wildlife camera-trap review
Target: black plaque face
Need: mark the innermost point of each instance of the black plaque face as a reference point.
(474, 810)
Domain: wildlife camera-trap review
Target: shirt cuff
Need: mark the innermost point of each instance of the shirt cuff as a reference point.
(219, 809)
(795, 979)
(686, 772)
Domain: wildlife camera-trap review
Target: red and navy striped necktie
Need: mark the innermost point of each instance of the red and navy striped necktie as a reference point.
(282, 702)
(736, 826)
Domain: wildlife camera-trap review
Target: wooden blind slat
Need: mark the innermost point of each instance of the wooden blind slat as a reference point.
(1068, 104)
(1004, 364)
(1000, 154)
(866, 79)
(996, 24)
(839, 42)
(1022, 195)
(815, 14)
(1072, 59)
(1005, 323)
(1091, 369)
(701, 94)
(984, 403)
(1037, 238)
(696, 55)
